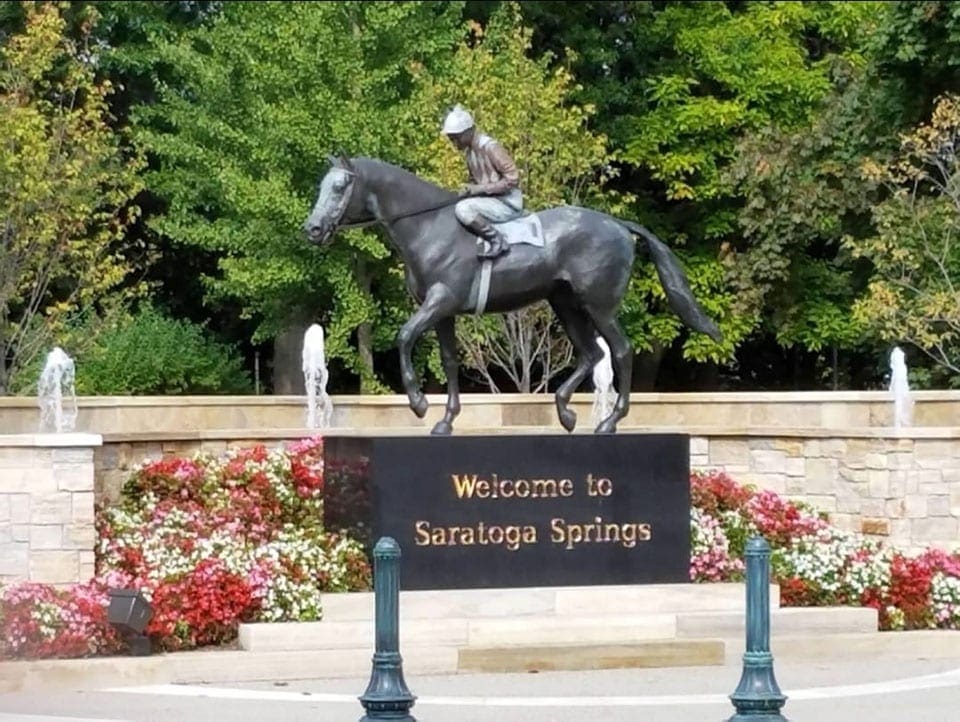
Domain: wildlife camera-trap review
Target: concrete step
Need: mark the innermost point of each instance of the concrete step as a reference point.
(599, 628)
(483, 631)
(650, 653)
(785, 621)
(537, 601)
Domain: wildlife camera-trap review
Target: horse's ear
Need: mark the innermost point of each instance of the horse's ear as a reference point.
(345, 160)
(334, 161)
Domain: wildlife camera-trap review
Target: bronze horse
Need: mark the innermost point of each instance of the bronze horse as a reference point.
(582, 270)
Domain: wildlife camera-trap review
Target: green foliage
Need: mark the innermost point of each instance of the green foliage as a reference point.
(150, 353)
(262, 94)
(68, 180)
(914, 293)
(524, 103)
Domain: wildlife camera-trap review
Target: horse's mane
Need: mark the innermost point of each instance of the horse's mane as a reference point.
(422, 189)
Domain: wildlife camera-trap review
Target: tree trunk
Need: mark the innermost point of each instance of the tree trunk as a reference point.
(365, 332)
(646, 366)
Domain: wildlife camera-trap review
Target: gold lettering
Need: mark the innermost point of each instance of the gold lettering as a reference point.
(466, 536)
(529, 535)
(557, 535)
(506, 485)
(566, 488)
(423, 538)
(544, 487)
(439, 536)
(464, 486)
(646, 532)
(483, 489)
(612, 530)
(525, 493)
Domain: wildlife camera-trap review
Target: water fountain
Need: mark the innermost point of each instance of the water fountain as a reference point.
(56, 382)
(900, 387)
(604, 395)
(319, 406)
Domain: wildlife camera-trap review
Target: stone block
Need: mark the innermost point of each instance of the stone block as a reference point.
(827, 503)
(795, 484)
(900, 460)
(877, 527)
(19, 508)
(933, 529)
(853, 476)
(71, 456)
(80, 536)
(82, 507)
(955, 500)
(896, 508)
(873, 507)
(811, 448)
(950, 475)
(834, 448)
(795, 466)
(699, 446)
(791, 447)
(848, 503)
(55, 508)
(15, 560)
(768, 461)
(24, 457)
(915, 506)
(74, 477)
(936, 449)
(107, 457)
(35, 480)
(845, 522)
(46, 536)
(935, 463)
(821, 476)
(898, 485)
(938, 505)
(876, 461)
(729, 452)
(701, 462)
(21, 533)
(929, 476)
(5, 507)
(54, 567)
(878, 483)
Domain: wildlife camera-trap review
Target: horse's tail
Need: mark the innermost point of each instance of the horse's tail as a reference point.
(675, 282)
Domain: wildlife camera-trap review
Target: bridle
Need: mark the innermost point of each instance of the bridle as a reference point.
(348, 196)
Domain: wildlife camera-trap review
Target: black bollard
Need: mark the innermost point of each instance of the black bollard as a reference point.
(387, 696)
(757, 697)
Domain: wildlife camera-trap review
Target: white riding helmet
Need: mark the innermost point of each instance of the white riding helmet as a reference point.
(457, 121)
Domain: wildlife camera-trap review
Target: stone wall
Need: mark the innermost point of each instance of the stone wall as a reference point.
(903, 488)
(47, 507)
(724, 411)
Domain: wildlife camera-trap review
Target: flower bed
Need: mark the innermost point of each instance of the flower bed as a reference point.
(210, 542)
(816, 564)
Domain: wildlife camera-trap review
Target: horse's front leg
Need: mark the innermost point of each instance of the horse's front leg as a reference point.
(439, 301)
(446, 334)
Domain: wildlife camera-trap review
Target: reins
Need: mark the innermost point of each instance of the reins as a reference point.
(364, 224)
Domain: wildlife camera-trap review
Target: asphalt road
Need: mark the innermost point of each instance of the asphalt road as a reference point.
(915, 690)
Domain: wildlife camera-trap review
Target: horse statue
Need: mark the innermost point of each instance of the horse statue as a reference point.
(581, 266)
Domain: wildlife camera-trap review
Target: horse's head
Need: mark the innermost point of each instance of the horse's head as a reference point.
(336, 202)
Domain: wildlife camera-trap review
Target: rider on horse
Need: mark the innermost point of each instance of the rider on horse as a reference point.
(494, 195)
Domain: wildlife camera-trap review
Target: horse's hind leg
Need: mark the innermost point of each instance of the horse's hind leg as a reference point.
(446, 334)
(579, 328)
(622, 356)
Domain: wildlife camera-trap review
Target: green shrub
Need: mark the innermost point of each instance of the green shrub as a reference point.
(150, 353)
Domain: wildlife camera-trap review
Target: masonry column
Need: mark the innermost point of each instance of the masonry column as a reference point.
(47, 529)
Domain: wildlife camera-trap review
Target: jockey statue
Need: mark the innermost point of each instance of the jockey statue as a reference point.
(493, 195)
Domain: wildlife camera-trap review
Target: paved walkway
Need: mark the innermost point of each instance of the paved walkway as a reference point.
(917, 690)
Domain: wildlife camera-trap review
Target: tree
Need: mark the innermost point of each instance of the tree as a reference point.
(914, 294)
(524, 103)
(68, 185)
(238, 136)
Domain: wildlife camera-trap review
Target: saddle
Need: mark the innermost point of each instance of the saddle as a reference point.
(525, 229)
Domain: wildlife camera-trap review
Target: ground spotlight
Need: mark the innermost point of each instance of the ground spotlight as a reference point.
(129, 612)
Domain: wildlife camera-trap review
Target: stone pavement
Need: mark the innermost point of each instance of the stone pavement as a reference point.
(901, 690)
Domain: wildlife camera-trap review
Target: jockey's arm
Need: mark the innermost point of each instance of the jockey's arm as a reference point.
(509, 176)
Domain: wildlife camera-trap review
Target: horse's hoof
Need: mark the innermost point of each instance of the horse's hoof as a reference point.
(419, 406)
(442, 428)
(568, 418)
(607, 427)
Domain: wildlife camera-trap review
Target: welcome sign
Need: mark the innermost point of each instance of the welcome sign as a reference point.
(511, 511)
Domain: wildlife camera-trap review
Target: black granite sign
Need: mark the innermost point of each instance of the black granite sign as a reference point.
(513, 511)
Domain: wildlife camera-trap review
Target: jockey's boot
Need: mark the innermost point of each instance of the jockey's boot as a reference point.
(498, 244)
